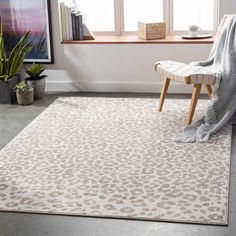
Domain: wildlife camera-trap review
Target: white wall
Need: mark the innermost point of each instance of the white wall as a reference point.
(118, 67)
(227, 7)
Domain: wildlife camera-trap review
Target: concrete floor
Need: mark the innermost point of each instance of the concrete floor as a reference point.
(14, 118)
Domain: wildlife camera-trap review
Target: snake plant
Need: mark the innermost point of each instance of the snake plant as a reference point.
(10, 66)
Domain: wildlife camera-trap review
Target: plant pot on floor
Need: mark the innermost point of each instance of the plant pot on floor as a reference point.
(7, 93)
(25, 97)
(39, 87)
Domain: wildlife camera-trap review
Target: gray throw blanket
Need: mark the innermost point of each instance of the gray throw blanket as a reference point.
(222, 61)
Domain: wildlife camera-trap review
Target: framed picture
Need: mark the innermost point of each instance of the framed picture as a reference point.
(20, 16)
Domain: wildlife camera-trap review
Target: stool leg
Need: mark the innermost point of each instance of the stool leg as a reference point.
(195, 95)
(165, 87)
(209, 90)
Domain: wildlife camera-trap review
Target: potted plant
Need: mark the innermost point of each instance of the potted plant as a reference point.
(36, 79)
(10, 66)
(24, 93)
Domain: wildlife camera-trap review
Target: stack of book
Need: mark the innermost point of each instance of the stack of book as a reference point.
(73, 23)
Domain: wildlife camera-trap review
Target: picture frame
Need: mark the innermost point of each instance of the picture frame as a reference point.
(20, 16)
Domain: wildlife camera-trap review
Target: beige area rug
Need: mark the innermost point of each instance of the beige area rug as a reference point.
(115, 157)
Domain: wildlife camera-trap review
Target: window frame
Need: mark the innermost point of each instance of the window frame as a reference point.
(117, 20)
(180, 32)
(167, 17)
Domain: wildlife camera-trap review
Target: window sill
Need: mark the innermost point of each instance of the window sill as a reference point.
(136, 40)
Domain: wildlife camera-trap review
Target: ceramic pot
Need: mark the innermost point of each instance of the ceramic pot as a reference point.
(26, 97)
(39, 87)
(7, 92)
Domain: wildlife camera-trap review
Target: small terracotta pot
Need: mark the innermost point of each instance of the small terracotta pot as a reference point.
(26, 97)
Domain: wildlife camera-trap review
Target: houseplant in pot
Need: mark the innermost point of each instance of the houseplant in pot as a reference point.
(11, 65)
(24, 94)
(36, 80)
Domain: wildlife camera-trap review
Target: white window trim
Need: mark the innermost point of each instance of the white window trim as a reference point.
(119, 16)
(217, 15)
(167, 17)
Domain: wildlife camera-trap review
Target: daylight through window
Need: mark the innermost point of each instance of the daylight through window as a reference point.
(119, 17)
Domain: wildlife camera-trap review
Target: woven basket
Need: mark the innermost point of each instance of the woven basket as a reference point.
(152, 30)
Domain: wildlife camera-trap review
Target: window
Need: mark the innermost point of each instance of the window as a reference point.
(121, 16)
(144, 10)
(196, 12)
(99, 14)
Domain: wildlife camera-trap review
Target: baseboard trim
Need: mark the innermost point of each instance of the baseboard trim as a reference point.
(61, 86)
(70, 86)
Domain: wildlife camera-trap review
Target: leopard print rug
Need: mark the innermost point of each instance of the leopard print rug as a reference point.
(116, 157)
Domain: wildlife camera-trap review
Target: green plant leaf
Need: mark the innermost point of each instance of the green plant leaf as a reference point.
(19, 52)
(21, 87)
(34, 71)
(10, 66)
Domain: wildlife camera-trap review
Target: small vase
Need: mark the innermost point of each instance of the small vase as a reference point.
(39, 87)
(26, 97)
